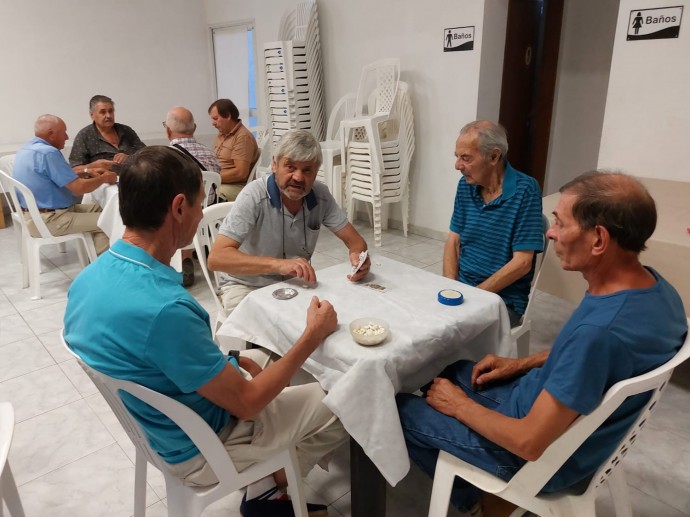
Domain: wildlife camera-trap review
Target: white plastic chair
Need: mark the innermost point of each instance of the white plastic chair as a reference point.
(332, 147)
(8, 487)
(211, 183)
(32, 245)
(7, 166)
(262, 167)
(205, 237)
(377, 165)
(523, 489)
(521, 333)
(185, 501)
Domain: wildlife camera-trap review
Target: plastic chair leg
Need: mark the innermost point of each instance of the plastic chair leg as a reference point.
(523, 344)
(619, 493)
(34, 261)
(299, 501)
(10, 494)
(405, 207)
(25, 262)
(139, 485)
(440, 493)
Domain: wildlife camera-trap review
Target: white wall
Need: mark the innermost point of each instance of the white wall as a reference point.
(444, 86)
(647, 120)
(147, 56)
(584, 62)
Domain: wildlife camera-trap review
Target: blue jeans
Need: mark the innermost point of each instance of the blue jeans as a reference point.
(427, 431)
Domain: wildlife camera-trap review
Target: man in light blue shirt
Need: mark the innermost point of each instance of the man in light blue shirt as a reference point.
(41, 167)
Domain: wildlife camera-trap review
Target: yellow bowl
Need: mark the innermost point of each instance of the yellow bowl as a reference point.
(369, 331)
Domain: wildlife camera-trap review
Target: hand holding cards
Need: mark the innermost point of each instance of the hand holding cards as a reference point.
(362, 259)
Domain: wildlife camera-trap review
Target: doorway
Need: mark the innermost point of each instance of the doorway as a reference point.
(530, 65)
(234, 63)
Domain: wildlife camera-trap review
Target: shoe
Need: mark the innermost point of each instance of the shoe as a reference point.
(187, 272)
(258, 507)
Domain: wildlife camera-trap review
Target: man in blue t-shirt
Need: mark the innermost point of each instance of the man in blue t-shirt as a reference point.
(629, 322)
(42, 168)
(496, 228)
(129, 317)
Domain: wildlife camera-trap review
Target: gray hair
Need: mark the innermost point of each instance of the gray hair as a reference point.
(180, 120)
(490, 136)
(299, 145)
(45, 123)
(99, 98)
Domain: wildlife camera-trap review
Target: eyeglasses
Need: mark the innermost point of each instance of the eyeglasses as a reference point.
(166, 127)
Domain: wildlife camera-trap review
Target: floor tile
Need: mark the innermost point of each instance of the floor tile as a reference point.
(52, 341)
(100, 483)
(13, 328)
(46, 319)
(38, 392)
(23, 356)
(78, 377)
(54, 439)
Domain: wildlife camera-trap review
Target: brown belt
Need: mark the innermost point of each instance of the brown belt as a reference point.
(41, 210)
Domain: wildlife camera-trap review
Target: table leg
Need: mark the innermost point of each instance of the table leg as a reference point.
(368, 485)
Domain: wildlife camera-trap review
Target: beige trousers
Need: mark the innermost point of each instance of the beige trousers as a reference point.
(75, 219)
(232, 294)
(296, 416)
(229, 191)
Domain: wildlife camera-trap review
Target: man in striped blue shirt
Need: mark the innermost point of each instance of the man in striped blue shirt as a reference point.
(496, 228)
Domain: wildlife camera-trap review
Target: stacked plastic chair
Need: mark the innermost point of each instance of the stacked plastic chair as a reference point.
(331, 148)
(377, 156)
(294, 77)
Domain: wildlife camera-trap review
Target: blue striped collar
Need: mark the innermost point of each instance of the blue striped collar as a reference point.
(274, 194)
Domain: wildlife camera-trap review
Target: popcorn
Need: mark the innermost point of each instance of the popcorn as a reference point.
(370, 329)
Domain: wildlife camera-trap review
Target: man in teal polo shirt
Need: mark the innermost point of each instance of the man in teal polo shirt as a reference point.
(496, 228)
(129, 317)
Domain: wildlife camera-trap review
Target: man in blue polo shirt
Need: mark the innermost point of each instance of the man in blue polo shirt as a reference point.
(496, 228)
(41, 167)
(271, 232)
(499, 413)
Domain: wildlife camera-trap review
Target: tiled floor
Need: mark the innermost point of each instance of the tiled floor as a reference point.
(71, 458)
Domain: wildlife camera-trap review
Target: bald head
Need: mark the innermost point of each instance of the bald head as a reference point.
(52, 129)
(616, 201)
(180, 122)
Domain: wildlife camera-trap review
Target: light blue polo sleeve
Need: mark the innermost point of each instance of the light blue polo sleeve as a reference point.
(58, 169)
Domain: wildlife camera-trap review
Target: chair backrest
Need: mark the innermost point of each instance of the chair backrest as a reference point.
(266, 154)
(538, 263)
(343, 109)
(532, 477)
(261, 133)
(11, 186)
(211, 183)
(382, 76)
(185, 418)
(7, 163)
(205, 237)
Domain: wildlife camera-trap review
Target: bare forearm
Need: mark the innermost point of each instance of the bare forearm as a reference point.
(515, 269)
(234, 262)
(451, 255)
(83, 186)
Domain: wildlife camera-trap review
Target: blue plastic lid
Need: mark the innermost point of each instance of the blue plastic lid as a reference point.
(450, 297)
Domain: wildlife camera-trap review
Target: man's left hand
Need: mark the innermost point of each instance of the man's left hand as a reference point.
(120, 157)
(354, 260)
(446, 397)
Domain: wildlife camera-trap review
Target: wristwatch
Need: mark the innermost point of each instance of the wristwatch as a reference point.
(86, 170)
(235, 354)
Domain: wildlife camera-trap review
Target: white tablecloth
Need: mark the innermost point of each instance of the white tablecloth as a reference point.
(362, 381)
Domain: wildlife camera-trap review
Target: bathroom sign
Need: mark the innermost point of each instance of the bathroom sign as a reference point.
(458, 38)
(660, 23)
